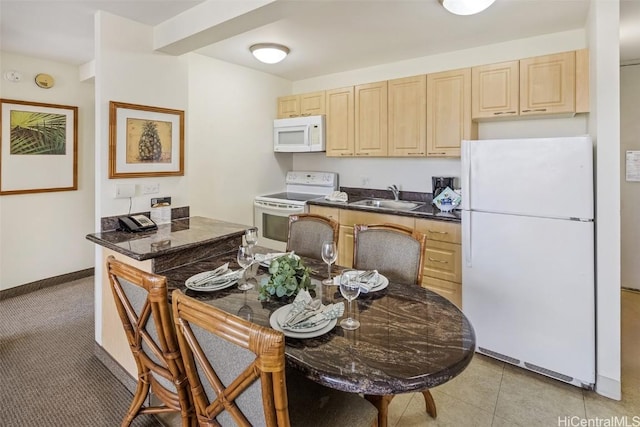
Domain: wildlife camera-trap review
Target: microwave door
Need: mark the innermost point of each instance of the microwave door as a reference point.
(292, 139)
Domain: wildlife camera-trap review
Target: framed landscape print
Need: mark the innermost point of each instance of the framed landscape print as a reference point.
(38, 147)
(145, 141)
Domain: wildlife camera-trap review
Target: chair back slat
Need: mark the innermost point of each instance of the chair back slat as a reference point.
(308, 231)
(395, 251)
(235, 368)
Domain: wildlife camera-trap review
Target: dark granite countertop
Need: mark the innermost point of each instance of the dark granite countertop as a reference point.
(180, 234)
(411, 339)
(426, 211)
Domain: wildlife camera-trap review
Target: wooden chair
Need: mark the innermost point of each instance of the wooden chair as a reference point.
(237, 374)
(142, 302)
(308, 231)
(398, 253)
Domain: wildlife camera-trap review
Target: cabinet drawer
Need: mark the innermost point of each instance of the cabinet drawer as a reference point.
(442, 260)
(450, 290)
(442, 231)
(348, 217)
(333, 213)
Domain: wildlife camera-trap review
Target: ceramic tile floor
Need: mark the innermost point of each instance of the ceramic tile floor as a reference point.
(492, 393)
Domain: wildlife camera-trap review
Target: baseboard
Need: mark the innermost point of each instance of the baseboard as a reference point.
(114, 367)
(609, 387)
(45, 283)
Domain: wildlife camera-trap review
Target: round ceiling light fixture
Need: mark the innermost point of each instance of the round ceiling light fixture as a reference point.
(269, 53)
(466, 7)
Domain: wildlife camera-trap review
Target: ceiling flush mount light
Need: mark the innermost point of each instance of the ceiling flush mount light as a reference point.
(466, 7)
(269, 53)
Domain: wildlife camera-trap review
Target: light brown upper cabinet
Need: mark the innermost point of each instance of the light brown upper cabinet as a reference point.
(371, 119)
(449, 112)
(340, 122)
(407, 124)
(495, 90)
(582, 81)
(547, 84)
(306, 104)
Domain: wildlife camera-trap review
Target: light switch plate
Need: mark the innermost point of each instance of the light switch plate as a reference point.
(124, 191)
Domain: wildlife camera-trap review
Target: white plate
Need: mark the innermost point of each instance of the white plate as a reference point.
(383, 282)
(282, 315)
(212, 287)
(306, 333)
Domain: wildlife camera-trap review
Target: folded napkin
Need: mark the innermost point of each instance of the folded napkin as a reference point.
(219, 276)
(306, 312)
(271, 256)
(368, 280)
(337, 196)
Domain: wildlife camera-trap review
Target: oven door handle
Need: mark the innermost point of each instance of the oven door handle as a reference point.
(277, 206)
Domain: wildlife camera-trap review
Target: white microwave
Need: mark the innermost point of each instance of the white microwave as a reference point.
(299, 134)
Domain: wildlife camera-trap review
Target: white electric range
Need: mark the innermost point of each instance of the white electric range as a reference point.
(271, 212)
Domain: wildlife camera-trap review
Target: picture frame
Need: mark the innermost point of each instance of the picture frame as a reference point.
(38, 147)
(145, 141)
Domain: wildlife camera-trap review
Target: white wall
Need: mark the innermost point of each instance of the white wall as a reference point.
(630, 191)
(42, 235)
(128, 70)
(604, 127)
(415, 174)
(231, 159)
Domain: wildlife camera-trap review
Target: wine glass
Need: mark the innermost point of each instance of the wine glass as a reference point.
(251, 237)
(246, 312)
(245, 259)
(329, 255)
(350, 289)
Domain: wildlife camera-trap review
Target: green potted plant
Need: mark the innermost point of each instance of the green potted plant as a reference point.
(288, 276)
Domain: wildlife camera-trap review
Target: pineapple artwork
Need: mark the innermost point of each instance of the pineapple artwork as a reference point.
(148, 141)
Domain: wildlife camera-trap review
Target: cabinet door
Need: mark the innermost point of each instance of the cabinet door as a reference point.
(345, 246)
(450, 290)
(371, 119)
(312, 104)
(495, 90)
(407, 105)
(449, 112)
(288, 106)
(340, 122)
(547, 84)
(443, 261)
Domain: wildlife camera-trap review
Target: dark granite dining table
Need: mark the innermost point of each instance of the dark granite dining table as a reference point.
(410, 338)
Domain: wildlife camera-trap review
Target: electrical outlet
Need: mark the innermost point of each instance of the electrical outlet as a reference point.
(150, 188)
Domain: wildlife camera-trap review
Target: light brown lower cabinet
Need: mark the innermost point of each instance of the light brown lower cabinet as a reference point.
(442, 271)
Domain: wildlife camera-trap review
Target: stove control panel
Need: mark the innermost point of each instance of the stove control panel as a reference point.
(321, 179)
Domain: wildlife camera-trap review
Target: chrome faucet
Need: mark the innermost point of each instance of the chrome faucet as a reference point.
(394, 190)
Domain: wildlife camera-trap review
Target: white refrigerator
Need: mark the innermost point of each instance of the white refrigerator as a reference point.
(528, 283)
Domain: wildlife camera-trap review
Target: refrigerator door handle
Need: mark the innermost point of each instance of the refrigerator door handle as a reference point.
(466, 237)
(466, 175)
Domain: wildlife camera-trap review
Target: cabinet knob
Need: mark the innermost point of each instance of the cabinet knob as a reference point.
(416, 154)
(437, 232)
(535, 110)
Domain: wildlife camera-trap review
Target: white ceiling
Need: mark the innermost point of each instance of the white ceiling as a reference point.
(324, 36)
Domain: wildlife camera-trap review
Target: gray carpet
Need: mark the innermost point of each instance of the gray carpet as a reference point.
(48, 373)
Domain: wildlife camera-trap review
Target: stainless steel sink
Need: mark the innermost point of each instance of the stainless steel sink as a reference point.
(398, 205)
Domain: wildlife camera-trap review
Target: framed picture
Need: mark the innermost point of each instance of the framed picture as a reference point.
(38, 147)
(145, 141)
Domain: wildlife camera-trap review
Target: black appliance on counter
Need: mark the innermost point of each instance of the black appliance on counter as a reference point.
(439, 183)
